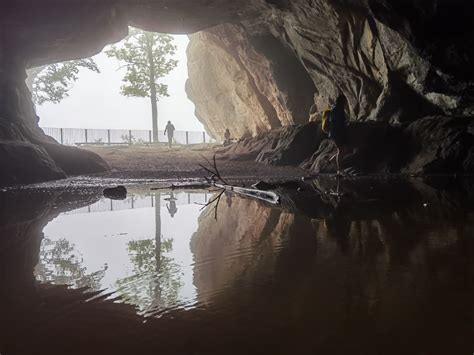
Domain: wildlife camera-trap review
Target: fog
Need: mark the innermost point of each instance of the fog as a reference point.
(95, 100)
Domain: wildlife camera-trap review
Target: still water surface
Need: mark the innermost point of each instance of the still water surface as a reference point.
(170, 277)
(138, 248)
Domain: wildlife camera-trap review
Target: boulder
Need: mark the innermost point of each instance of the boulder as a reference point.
(116, 193)
(75, 161)
(441, 145)
(373, 148)
(26, 163)
(289, 145)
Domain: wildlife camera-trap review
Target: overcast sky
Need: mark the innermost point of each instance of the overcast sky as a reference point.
(95, 100)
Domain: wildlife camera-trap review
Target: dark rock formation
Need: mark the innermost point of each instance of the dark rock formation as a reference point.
(431, 145)
(372, 254)
(116, 193)
(372, 148)
(441, 145)
(387, 59)
(395, 61)
(26, 154)
(23, 162)
(289, 145)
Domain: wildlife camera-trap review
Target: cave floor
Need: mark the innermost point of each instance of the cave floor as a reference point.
(182, 163)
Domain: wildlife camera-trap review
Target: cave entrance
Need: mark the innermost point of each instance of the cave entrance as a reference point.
(105, 100)
(248, 82)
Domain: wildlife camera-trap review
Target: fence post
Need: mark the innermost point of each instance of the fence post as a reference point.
(85, 133)
(108, 136)
(204, 137)
(62, 135)
(130, 136)
(187, 137)
(149, 138)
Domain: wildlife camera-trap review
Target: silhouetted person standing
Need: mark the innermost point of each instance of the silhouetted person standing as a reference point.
(172, 209)
(337, 128)
(170, 131)
(226, 137)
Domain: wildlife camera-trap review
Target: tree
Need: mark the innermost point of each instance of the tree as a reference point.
(156, 281)
(51, 83)
(147, 57)
(61, 264)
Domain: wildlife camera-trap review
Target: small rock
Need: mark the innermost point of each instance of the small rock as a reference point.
(116, 193)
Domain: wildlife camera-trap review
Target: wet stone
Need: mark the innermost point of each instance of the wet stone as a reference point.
(116, 193)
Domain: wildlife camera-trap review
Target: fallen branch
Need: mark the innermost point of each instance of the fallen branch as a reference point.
(217, 181)
(189, 186)
(213, 170)
(216, 199)
(267, 196)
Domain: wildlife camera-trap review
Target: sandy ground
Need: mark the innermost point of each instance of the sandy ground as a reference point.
(182, 162)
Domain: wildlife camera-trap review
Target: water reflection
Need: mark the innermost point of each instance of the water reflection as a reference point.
(59, 263)
(136, 253)
(363, 268)
(171, 207)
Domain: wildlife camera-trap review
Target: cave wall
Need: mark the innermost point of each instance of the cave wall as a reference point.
(249, 84)
(396, 61)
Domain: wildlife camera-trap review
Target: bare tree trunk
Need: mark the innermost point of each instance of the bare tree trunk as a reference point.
(157, 246)
(153, 98)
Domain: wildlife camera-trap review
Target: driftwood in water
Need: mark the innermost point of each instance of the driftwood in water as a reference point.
(267, 196)
(184, 186)
(218, 181)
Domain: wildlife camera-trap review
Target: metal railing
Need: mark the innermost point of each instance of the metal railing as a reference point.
(137, 202)
(80, 136)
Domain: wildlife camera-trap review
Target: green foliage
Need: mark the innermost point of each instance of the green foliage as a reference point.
(147, 58)
(156, 276)
(54, 81)
(61, 264)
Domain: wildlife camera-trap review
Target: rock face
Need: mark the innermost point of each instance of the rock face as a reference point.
(232, 232)
(387, 59)
(373, 148)
(289, 145)
(442, 145)
(247, 84)
(379, 242)
(395, 62)
(431, 145)
(26, 154)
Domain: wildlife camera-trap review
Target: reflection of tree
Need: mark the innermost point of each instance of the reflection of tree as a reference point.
(61, 264)
(156, 280)
(156, 277)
